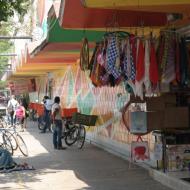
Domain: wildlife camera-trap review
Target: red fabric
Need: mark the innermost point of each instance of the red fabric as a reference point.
(140, 67)
(153, 70)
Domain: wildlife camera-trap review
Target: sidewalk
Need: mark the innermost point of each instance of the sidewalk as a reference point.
(89, 169)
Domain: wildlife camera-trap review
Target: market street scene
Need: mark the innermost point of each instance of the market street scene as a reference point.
(95, 95)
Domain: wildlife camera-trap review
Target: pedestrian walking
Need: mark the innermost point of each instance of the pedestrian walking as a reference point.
(21, 115)
(11, 108)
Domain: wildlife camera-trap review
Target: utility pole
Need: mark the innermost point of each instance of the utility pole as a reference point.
(15, 37)
(8, 55)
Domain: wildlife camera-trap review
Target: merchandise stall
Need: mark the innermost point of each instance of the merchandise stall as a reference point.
(154, 71)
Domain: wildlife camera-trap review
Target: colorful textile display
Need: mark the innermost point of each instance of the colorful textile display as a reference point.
(135, 60)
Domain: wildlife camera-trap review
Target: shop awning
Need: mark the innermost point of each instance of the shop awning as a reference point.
(61, 48)
(75, 15)
(168, 6)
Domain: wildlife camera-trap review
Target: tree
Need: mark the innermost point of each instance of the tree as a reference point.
(9, 7)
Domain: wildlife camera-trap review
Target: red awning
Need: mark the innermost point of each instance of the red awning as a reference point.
(74, 15)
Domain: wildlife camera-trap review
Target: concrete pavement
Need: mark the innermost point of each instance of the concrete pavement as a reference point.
(89, 169)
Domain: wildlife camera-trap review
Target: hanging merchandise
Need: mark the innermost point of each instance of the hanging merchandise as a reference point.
(138, 122)
(168, 61)
(184, 63)
(123, 58)
(139, 151)
(158, 151)
(147, 83)
(153, 69)
(84, 55)
(140, 69)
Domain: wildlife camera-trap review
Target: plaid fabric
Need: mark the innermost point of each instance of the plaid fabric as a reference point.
(112, 55)
(129, 67)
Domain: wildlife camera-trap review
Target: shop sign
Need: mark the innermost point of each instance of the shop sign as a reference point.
(138, 122)
(139, 151)
(158, 151)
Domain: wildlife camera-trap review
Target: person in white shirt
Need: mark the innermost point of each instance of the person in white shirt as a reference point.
(11, 108)
(57, 121)
(47, 113)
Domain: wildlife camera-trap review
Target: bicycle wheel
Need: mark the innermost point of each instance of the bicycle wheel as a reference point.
(22, 145)
(71, 136)
(12, 139)
(81, 136)
(41, 123)
(7, 144)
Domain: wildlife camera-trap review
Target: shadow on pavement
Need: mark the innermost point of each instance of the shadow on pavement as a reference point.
(88, 169)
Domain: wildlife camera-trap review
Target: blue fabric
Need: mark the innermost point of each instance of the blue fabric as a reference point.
(47, 120)
(129, 66)
(112, 55)
(57, 133)
(13, 118)
(6, 160)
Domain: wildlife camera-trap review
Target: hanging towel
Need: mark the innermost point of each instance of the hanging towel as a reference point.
(140, 70)
(177, 62)
(112, 58)
(133, 42)
(184, 62)
(168, 74)
(147, 67)
(130, 68)
(153, 70)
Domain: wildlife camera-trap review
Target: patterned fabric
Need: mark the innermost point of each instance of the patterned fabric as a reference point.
(147, 67)
(168, 74)
(112, 57)
(129, 67)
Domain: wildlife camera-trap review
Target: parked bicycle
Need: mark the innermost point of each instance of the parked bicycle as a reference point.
(73, 133)
(5, 142)
(17, 142)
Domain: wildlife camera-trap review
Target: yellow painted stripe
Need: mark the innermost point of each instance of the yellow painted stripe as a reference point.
(120, 3)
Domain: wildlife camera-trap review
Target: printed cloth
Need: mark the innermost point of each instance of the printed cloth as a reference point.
(168, 74)
(154, 74)
(112, 57)
(147, 67)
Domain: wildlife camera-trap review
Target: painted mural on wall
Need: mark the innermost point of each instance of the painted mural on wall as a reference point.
(76, 90)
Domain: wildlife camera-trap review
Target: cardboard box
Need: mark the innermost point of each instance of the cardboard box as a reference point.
(161, 102)
(155, 103)
(176, 117)
(155, 120)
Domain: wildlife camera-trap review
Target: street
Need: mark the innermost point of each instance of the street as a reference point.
(89, 169)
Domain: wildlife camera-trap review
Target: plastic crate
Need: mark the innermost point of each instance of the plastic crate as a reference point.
(31, 105)
(68, 112)
(88, 120)
(40, 109)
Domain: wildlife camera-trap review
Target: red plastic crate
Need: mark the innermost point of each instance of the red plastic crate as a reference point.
(68, 112)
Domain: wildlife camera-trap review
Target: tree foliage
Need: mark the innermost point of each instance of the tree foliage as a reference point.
(8, 10)
(9, 7)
